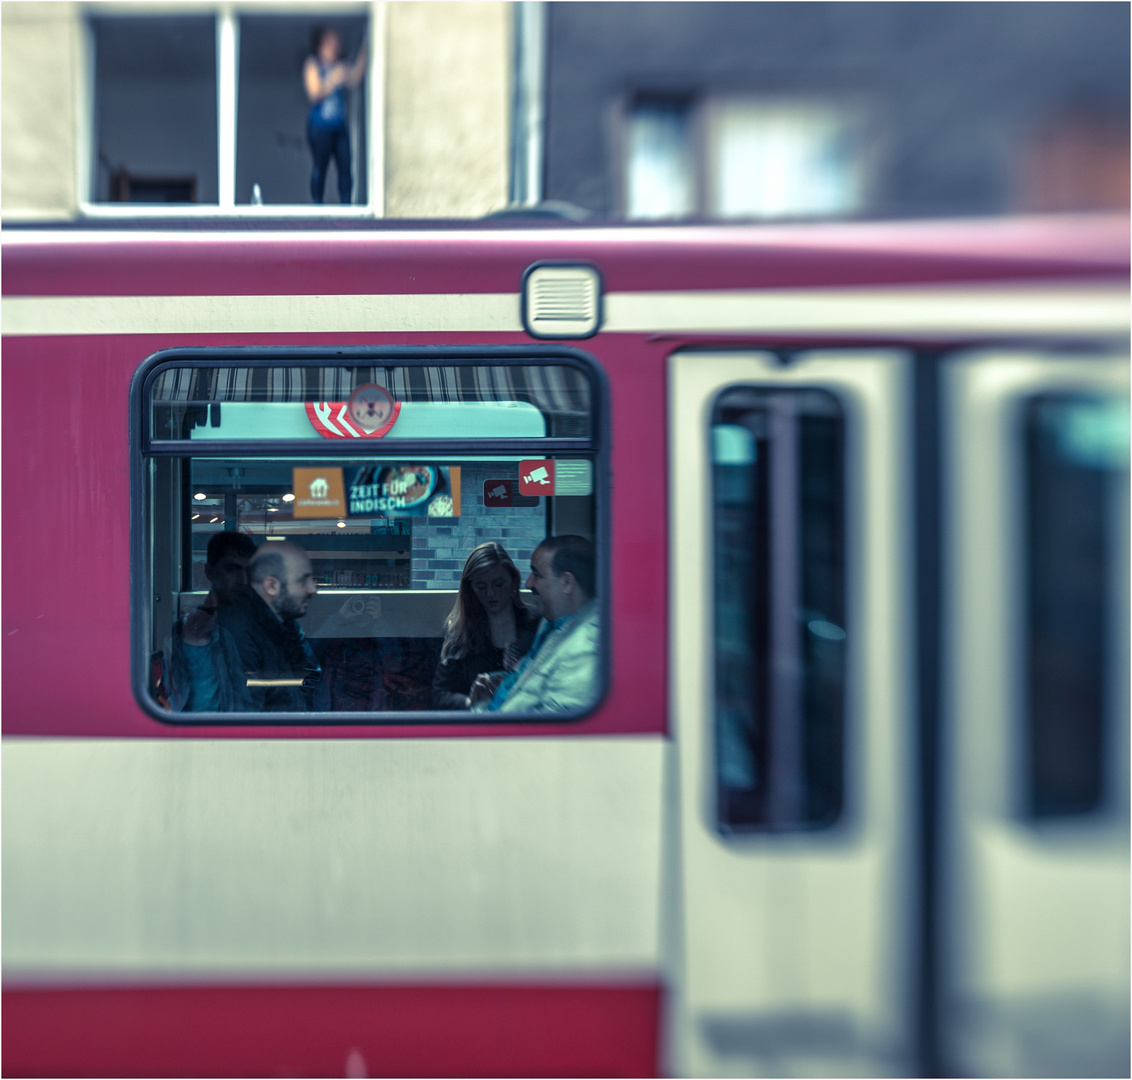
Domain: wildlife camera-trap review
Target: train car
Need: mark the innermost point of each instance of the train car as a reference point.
(844, 790)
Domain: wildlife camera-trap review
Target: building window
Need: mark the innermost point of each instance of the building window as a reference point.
(210, 111)
(660, 177)
(500, 450)
(155, 110)
(738, 158)
(780, 622)
(785, 159)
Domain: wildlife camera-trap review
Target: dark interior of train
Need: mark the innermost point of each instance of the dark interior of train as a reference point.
(387, 535)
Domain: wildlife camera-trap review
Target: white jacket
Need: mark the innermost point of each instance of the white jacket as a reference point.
(563, 676)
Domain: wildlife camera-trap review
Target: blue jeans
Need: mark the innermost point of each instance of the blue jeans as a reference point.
(325, 143)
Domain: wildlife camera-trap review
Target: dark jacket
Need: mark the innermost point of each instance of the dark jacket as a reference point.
(455, 675)
(188, 692)
(270, 650)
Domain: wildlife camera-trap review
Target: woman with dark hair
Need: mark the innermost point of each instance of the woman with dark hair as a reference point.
(326, 79)
(488, 629)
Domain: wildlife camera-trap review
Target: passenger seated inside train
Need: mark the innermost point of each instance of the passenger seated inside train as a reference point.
(398, 607)
(198, 677)
(489, 628)
(560, 672)
(277, 669)
(366, 671)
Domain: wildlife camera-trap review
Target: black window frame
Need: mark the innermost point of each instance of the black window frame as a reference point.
(142, 448)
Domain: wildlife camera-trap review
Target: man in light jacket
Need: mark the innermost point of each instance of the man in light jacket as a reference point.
(560, 673)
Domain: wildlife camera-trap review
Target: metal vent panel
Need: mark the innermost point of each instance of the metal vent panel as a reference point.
(562, 301)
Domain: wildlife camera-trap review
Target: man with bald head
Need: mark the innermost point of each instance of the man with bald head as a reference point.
(278, 671)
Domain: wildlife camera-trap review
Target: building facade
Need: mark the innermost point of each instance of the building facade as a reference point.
(201, 105)
(778, 110)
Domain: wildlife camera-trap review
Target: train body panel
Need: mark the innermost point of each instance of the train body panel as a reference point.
(798, 831)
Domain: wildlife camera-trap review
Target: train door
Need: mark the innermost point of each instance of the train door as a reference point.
(793, 714)
(1035, 804)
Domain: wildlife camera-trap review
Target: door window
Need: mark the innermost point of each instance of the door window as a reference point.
(780, 622)
(1077, 506)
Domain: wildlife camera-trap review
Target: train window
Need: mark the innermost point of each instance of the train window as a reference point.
(780, 630)
(372, 482)
(1077, 526)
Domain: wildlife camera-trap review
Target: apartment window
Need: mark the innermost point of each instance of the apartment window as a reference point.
(660, 177)
(155, 110)
(785, 159)
(210, 111)
(747, 157)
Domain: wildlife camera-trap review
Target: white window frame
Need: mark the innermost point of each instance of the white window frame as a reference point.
(227, 17)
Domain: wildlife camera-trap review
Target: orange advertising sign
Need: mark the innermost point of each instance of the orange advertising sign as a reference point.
(319, 493)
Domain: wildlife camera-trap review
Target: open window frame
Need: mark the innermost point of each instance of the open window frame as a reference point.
(145, 448)
(227, 30)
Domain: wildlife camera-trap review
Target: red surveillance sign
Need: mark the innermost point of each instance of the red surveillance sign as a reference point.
(536, 477)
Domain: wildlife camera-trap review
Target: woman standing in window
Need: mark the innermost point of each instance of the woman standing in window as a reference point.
(326, 79)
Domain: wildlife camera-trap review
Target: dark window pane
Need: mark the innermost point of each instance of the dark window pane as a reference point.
(779, 608)
(155, 108)
(1076, 463)
(272, 150)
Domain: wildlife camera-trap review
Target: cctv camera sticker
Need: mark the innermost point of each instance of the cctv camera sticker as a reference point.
(536, 477)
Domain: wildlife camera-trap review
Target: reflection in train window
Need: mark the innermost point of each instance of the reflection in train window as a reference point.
(1077, 528)
(780, 629)
(385, 478)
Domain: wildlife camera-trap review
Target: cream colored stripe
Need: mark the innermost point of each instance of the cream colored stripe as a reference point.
(53, 315)
(345, 857)
(931, 311)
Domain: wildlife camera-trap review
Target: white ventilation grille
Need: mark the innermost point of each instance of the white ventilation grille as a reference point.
(562, 301)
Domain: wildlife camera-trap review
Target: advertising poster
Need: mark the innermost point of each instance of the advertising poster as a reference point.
(389, 489)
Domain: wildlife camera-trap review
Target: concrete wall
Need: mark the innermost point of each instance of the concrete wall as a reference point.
(40, 62)
(448, 86)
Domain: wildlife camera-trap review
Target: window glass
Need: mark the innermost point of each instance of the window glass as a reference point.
(1077, 512)
(372, 533)
(155, 105)
(779, 159)
(780, 629)
(272, 151)
(660, 180)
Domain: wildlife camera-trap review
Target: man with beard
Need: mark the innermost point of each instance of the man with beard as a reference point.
(278, 671)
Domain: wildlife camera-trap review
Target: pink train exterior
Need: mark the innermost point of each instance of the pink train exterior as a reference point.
(502, 900)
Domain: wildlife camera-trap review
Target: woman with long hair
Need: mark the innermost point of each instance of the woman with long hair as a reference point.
(488, 629)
